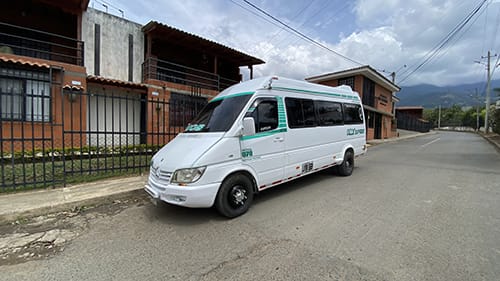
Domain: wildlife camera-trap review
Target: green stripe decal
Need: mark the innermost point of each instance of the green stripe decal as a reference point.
(281, 113)
(232, 96)
(264, 134)
(316, 92)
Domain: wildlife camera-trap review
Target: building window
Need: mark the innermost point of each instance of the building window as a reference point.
(184, 108)
(25, 95)
(368, 95)
(349, 81)
(371, 119)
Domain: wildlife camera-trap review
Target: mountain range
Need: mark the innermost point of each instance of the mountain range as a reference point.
(430, 96)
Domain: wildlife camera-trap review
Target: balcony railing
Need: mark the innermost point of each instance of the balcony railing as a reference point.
(153, 68)
(29, 42)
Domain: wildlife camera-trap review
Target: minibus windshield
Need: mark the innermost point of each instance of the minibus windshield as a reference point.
(218, 115)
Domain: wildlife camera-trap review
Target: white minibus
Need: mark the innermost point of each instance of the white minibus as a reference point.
(255, 135)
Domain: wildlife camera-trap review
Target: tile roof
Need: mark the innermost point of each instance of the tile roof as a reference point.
(22, 61)
(114, 82)
(73, 87)
(203, 43)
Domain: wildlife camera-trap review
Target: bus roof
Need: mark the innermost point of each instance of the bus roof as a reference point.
(280, 83)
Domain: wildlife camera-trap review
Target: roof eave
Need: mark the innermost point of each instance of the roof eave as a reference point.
(364, 70)
(244, 60)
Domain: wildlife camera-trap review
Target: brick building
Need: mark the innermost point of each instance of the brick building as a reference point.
(73, 76)
(41, 56)
(377, 94)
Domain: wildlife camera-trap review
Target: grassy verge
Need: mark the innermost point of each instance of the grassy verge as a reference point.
(32, 175)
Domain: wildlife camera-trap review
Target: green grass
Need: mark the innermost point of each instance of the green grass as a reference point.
(45, 173)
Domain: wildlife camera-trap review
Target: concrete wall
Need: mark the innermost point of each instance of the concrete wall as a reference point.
(114, 50)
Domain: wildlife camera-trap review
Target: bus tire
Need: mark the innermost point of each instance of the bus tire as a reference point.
(235, 196)
(345, 169)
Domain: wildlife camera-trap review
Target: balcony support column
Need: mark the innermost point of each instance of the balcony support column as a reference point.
(251, 71)
(215, 65)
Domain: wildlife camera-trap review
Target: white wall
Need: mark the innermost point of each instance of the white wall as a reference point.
(116, 115)
(114, 45)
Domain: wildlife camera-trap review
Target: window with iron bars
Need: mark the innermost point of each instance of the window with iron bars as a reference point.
(184, 108)
(349, 81)
(24, 95)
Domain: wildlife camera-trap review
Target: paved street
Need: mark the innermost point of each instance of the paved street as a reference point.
(420, 209)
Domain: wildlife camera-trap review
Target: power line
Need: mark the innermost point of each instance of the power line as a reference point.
(431, 53)
(254, 13)
(495, 33)
(283, 28)
(434, 51)
(453, 41)
(302, 35)
(328, 2)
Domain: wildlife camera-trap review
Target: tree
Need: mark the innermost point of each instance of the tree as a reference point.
(495, 124)
(469, 119)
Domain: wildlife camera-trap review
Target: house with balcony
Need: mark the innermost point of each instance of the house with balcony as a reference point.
(146, 83)
(84, 92)
(377, 94)
(186, 71)
(41, 57)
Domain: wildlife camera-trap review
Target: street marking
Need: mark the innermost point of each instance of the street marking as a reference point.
(431, 142)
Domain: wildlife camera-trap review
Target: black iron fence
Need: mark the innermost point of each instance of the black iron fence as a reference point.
(153, 68)
(29, 42)
(84, 136)
(411, 123)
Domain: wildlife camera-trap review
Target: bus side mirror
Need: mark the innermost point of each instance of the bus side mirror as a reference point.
(248, 126)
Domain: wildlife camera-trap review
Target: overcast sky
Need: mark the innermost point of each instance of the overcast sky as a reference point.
(386, 34)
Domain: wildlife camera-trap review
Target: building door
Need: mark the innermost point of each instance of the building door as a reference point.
(378, 126)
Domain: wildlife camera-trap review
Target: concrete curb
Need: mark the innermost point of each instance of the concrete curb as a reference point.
(376, 142)
(489, 138)
(35, 203)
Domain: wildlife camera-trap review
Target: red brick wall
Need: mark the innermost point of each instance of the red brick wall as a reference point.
(49, 130)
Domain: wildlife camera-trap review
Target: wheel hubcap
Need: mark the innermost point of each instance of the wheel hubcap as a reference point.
(238, 196)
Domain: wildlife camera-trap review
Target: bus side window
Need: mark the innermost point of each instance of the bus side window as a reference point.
(265, 115)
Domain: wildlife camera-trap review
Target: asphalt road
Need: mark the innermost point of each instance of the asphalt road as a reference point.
(421, 209)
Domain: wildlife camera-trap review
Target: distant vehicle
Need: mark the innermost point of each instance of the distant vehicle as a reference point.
(255, 135)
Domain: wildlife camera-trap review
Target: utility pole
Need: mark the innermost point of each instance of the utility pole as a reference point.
(477, 111)
(439, 118)
(486, 124)
(488, 69)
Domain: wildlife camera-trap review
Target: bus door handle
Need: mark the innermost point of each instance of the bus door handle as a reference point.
(279, 139)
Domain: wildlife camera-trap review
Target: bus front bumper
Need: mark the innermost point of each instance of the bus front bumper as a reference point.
(199, 196)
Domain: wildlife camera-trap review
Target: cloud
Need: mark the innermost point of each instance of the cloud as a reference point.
(386, 34)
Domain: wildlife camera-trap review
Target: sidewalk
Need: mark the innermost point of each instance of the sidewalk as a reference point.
(33, 203)
(493, 139)
(403, 135)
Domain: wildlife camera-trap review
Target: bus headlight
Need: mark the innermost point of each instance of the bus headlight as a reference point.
(188, 175)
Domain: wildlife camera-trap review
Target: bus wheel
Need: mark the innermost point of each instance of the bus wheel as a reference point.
(235, 196)
(345, 169)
